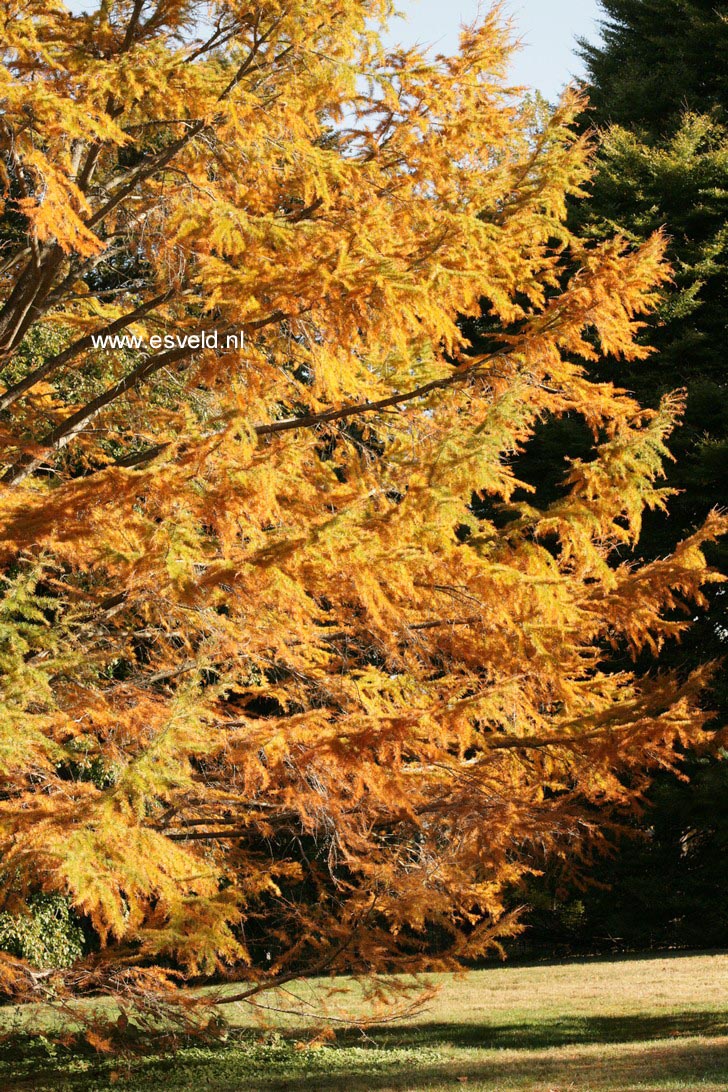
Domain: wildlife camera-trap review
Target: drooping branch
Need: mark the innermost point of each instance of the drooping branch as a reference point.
(60, 436)
(460, 375)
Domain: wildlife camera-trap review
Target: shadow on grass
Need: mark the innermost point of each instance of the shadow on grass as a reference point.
(564, 1031)
(684, 1065)
(633, 1050)
(659, 955)
(677, 1065)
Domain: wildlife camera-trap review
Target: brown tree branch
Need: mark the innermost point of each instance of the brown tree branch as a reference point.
(64, 432)
(160, 160)
(29, 299)
(113, 109)
(312, 419)
(12, 394)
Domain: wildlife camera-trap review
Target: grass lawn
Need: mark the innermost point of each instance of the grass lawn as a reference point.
(628, 1023)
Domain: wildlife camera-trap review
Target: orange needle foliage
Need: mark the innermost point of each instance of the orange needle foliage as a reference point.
(274, 699)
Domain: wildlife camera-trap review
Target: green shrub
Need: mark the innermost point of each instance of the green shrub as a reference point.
(48, 936)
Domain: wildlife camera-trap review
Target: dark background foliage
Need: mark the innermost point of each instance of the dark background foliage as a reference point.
(658, 87)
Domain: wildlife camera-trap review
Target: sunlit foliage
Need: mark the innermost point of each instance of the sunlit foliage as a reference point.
(278, 696)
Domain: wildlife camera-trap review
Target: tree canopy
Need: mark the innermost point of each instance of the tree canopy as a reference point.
(279, 697)
(657, 89)
(656, 60)
(663, 164)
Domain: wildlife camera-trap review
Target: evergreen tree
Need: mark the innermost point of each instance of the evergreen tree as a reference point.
(657, 60)
(658, 86)
(680, 183)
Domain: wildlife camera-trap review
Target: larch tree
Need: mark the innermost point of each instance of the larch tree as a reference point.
(276, 699)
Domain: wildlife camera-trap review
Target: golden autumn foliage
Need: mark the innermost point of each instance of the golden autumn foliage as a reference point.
(275, 699)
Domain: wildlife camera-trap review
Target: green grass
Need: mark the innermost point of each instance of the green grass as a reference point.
(620, 1024)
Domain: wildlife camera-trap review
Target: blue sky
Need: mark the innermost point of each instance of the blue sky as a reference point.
(548, 29)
